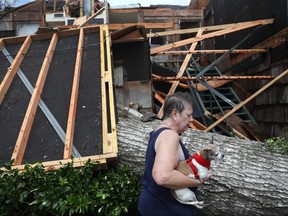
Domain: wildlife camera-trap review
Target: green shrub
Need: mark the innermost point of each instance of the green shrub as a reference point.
(68, 190)
(277, 143)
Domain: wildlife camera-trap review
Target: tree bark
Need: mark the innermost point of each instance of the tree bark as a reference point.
(251, 181)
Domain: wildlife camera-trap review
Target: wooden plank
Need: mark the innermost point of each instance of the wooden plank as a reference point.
(250, 51)
(81, 8)
(197, 125)
(131, 36)
(206, 78)
(23, 136)
(16, 39)
(205, 29)
(74, 97)
(182, 85)
(54, 5)
(77, 162)
(148, 25)
(120, 34)
(138, 10)
(2, 44)
(180, 72)
(5, 84)
(199, 87)
(188, 14)
(79, 21)
(67, 11)
(206, 36)
(92, 17)
(238, 106)
(103, 91)
(234, 130)
(92, 6)
(43, 14)
(112, 137)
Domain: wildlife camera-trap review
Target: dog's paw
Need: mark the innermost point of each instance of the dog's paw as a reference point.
(200, 204)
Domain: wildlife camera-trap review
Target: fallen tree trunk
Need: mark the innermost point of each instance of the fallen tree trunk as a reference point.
(251, 180)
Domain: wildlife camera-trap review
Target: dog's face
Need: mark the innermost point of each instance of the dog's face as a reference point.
(211, 152)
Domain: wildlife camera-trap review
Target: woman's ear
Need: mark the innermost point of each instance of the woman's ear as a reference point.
(174, 113)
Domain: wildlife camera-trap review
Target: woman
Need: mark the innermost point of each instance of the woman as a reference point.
(164, 151)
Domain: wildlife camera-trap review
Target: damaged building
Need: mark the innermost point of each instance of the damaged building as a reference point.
(63, 70)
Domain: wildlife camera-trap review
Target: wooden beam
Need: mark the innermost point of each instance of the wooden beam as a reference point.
(109, 138)
(67, 11)
(205, 29)
(112, 136)
(166, 25)
(77, 162)
(160, 13)
(92, 6)
(81, 8)
(180, 72)
(199, 87)
(244, 51)
(236, 132)
(155, 50)
(23, 136)
(2, 44)
(43, 14)
(12, 70)
(74, 97)
(197, 125)
(195, 15)
(206, 78)
(54, 5)
(238, 106)
(92, 17)
(137, 10)
(103, 91)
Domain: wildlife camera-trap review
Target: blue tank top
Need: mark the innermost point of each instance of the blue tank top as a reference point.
(157, 200)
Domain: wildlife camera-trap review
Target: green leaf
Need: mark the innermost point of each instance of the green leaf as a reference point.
(23, 196)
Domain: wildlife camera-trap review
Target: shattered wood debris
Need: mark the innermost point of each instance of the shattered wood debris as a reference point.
(202, 82)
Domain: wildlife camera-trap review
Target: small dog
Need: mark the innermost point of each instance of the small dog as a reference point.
(198, 167)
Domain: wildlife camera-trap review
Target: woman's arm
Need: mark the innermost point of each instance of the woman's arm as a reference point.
(166, 160)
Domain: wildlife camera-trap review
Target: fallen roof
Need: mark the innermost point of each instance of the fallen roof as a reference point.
(56, 97)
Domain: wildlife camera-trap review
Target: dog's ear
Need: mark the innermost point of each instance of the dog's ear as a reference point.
(212, 139)
(207, 152)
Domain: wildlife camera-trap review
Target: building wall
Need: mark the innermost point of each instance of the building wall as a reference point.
(30, 14)
(227, 11)
(270, 108)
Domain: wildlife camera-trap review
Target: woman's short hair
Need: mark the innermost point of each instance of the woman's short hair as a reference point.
(176, 101)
